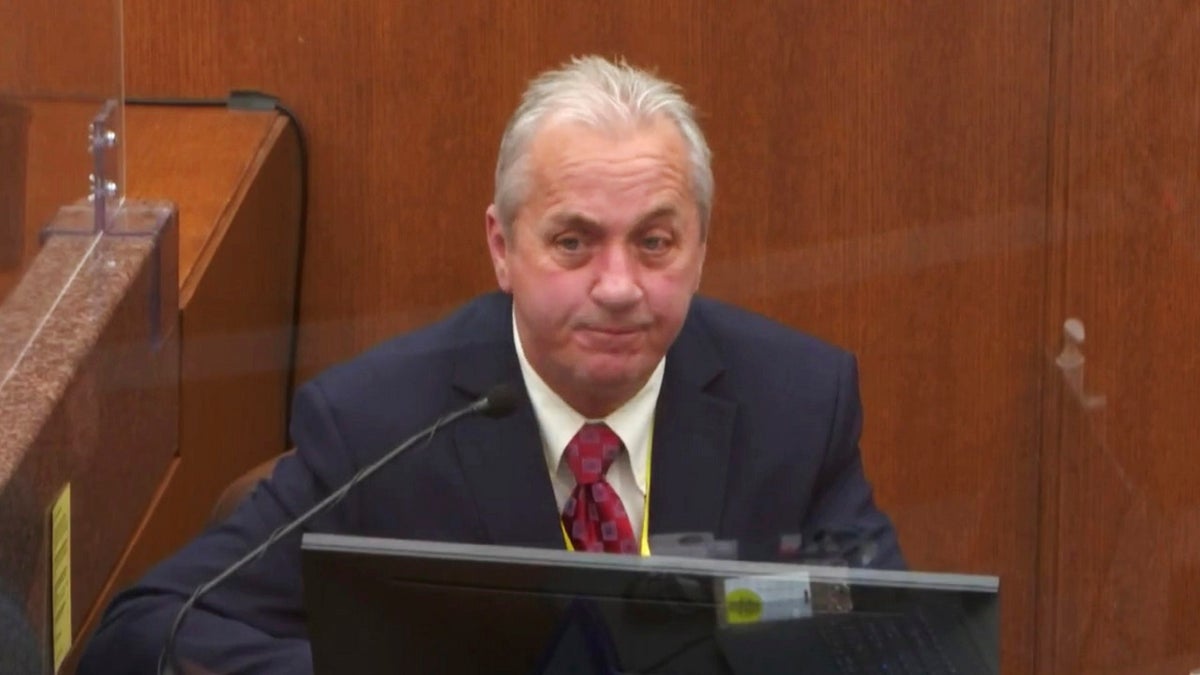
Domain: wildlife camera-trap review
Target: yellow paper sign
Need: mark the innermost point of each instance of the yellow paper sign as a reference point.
(60, 575)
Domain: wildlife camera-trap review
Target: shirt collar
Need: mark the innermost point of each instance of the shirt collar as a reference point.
(558, 421)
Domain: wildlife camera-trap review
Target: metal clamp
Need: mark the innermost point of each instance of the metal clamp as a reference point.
(103, 189)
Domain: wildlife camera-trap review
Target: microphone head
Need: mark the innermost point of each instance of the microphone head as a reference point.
(500, 401)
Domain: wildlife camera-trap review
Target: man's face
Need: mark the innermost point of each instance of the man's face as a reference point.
(602, 259)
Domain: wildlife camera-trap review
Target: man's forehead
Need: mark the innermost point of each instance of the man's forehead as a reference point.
(575, 169)
(573, 154)
(553, 132)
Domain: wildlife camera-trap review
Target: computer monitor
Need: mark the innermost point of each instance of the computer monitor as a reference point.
(389, 605)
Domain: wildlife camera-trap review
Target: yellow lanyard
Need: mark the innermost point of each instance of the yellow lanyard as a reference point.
(645, 516)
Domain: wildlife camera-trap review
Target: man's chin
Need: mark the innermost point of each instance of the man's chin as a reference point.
(597, 392)
(615, 380)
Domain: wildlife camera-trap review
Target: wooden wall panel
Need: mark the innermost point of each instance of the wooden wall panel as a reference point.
(1126, 513)
(54, 174)
(59, 62)
(61, 49)
(881, 174)
(896, 206)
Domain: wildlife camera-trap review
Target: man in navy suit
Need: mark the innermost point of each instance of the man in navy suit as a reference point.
(597, 234)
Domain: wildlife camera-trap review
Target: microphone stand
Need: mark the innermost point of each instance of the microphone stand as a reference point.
(500, 401)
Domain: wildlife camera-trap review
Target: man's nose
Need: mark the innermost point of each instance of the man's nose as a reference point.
(617, 279)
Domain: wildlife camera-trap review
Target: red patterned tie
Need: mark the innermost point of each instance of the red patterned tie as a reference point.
(594, 516)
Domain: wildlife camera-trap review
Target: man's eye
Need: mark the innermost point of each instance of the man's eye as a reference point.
(654, 243)
(569, 244)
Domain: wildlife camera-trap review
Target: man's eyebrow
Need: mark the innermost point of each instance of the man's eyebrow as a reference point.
(577, 220)
(574, 220)
(654, 214)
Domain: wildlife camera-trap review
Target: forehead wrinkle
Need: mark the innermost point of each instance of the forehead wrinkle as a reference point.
(638, 169)
(588, 177)
(668, 153)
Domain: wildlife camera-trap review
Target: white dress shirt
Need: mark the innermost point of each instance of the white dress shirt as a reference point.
(633, 423)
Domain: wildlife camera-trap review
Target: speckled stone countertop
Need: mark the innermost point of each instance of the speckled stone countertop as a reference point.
(54, 317)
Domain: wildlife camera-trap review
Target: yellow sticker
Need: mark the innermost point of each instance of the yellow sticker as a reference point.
(743, 605)
(60, 571)
(761, 598)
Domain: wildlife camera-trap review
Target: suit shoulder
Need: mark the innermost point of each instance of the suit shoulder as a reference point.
(426, 354)
(768, 364)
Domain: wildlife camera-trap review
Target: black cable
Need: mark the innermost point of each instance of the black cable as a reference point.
(294, 345)
(253, 100)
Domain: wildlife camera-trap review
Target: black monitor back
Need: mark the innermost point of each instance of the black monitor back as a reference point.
(391, 606)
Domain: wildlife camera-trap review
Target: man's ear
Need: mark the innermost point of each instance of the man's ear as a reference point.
(498, 243)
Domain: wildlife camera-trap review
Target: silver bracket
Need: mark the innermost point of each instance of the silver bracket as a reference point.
(104, 192)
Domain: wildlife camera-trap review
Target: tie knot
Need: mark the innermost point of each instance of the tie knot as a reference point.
(591, 452)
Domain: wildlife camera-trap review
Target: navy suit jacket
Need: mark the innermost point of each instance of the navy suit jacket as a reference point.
(756, 435)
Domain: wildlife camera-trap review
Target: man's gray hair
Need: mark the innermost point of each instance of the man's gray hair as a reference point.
(599, 94)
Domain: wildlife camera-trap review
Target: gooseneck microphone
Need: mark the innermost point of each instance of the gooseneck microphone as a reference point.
(500, 401)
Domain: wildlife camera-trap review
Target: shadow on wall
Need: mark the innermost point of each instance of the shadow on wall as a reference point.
(20, 652)
(21, 532)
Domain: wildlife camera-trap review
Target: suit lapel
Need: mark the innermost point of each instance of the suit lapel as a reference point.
(693, 431)
(502, 459)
